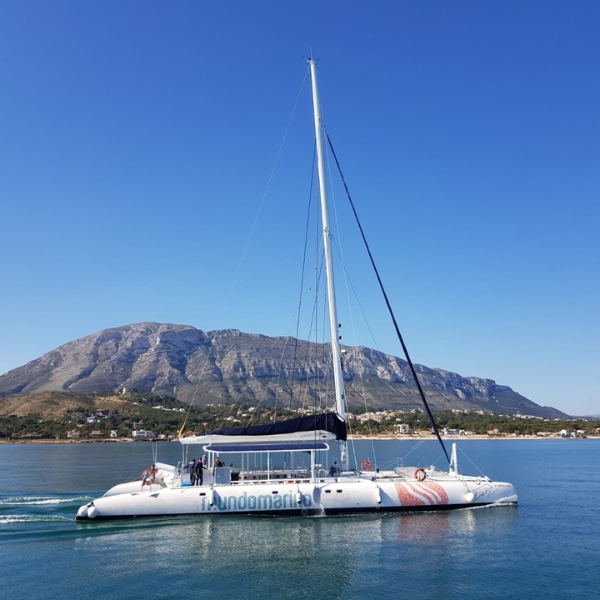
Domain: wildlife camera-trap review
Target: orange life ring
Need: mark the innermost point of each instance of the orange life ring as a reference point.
(420, 474)
(366, 465)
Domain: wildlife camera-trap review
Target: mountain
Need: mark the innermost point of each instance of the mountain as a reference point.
(228, 366)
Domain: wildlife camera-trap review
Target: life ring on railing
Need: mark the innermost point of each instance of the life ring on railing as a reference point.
(420, 474)
(149, 476)
(366, 465)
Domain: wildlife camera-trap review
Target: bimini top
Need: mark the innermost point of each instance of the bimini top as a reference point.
(307, 447)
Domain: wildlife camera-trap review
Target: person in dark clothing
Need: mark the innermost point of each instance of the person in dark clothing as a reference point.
(199, 472)
(192, 471)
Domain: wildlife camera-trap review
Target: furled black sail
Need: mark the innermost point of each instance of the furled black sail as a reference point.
(330, 422)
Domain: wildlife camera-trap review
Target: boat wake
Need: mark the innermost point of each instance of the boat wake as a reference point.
(512, 501)
(41, 501)
(15, 519)
(24, 516)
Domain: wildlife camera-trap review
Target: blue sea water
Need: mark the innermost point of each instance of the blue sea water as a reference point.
(547, 547)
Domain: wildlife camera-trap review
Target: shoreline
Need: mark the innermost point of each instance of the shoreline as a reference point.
(353, 438)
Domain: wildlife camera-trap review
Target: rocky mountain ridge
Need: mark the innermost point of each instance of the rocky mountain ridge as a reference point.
(227, 366)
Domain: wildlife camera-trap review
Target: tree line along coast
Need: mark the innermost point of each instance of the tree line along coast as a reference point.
(57, 416)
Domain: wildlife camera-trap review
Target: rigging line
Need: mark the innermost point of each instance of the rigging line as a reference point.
(273, 379)
(316, 338)
(314, 325)
(389, 307)
(340, 251)
(352, 445)
(193, 400)
(348, 281)
(469, 459)
(281, 145)
(328, 377)
(262, 201)
(304, 254)
(200, 378)
(350, 286)
(279, 377)
(312, 348)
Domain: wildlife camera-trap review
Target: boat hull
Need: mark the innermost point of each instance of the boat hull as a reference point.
(342, 496)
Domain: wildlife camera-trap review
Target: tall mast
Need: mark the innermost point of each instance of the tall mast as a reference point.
(333, 320)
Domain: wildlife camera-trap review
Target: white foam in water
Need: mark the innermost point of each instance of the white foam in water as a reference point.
(13, 519)
(40, 501)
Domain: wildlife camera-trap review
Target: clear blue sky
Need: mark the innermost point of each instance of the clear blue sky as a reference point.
(137, 139)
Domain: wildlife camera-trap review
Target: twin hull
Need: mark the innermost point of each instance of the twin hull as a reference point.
(335, 497)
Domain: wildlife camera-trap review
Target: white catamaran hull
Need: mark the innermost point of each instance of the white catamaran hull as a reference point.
(305, 490)
(345, 495)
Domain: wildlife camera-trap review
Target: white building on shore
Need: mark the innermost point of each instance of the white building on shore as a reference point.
(142, 434)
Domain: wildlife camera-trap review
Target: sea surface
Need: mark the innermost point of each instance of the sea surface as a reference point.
(547, 547)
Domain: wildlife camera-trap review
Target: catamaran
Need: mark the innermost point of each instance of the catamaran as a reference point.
(280, 469)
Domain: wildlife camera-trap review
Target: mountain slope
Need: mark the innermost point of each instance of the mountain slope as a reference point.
(228, 365)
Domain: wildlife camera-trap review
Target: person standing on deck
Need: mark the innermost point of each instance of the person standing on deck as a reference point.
(192, 471)
(199, 472)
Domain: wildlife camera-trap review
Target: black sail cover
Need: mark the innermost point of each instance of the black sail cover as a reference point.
(330, 422)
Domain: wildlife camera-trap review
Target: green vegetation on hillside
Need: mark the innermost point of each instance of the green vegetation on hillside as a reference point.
(475, 423)
(87, 418)
(163, 415)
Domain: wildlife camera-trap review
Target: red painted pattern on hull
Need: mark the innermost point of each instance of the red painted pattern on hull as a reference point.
(423, 493)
